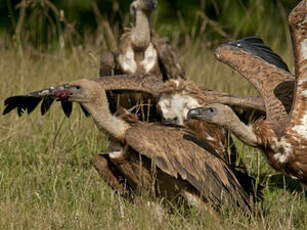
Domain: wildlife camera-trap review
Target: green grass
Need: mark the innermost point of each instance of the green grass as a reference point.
(46, 177)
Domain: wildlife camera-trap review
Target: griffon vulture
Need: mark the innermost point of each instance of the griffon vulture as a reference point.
(181, 163)
(141, 51)
(281, 136)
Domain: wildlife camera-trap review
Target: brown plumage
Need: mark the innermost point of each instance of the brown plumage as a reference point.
(281, 136)
(162, 93)
(141, 50)
(181, 163)
(215, 138)
(178, 97)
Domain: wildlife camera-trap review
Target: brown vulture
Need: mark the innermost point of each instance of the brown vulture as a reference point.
(282, 136)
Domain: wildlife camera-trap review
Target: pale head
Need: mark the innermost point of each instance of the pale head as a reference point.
(218, 114)
(82, 91)
(146, 6)
(175, 107)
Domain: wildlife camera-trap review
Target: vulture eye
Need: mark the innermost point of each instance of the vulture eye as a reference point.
(75, 88)
(211, 110)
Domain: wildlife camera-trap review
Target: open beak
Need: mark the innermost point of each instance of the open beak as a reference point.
(195, 113)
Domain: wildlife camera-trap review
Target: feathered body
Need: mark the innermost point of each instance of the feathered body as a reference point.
(282, 136)
(181, 163)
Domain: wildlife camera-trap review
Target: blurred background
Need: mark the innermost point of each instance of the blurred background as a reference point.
(50, 24)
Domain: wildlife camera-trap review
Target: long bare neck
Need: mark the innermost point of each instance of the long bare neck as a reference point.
(244, 132)
(141, 30)
(105, 121)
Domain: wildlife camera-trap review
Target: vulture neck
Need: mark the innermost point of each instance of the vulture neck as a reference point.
(244, 132)
(141, 30)
(105, 121)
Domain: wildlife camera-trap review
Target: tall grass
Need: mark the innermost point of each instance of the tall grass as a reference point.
(46, 177)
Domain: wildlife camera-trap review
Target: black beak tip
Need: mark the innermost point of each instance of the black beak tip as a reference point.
(168, 122)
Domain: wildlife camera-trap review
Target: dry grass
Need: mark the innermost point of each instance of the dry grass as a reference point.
(47, 181)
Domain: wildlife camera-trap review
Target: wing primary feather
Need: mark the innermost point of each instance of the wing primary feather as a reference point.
(32, 104)
(256, 46)
(21, 103)
(46, 104)
(67, 107)
(86, 113)
(10, 104)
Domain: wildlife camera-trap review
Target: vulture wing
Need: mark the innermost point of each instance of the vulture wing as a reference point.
(28, 102)
(265, 70)
(242, 102)
(169, 63)
(179, 154)
(298, 122)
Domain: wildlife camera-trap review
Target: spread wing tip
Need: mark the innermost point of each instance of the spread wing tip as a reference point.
(256, 46)
(21, 103)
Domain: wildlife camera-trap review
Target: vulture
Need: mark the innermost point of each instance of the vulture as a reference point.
(173, 111)
(169, 157)
(142, 51)
(282, 136)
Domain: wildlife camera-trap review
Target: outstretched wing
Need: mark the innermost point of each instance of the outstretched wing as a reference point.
(265, 70)
(30, 101)
(298, 124)
(144, 83)
(179, 154)
(169, 63)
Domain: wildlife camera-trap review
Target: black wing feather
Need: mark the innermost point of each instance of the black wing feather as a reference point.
(22, 103)
(86, 113)
(256, 46)
(67, 107)
(46, 104)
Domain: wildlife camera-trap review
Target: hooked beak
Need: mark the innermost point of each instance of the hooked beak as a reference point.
(62, 94)
(196, 113)
(169, 121)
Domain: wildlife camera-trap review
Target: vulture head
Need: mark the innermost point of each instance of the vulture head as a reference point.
(82, 91)
(147, 6)
(214, 113)
(176, 101)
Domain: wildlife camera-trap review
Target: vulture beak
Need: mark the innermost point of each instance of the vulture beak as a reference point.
(196, 113)
(62, 92)
(169, 121)
(150, 4)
